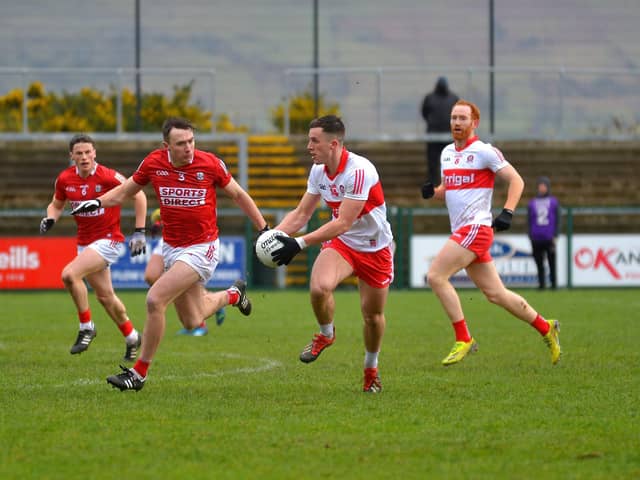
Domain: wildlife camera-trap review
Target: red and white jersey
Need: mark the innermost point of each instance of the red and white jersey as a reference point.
(102, 223)
(468, 176)
(356, 179)
(187, 195)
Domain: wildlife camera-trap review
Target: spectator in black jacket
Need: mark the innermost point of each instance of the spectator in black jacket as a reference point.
(436, 111)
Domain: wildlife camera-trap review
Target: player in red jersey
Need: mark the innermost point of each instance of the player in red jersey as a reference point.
(469, 168)
(356, 241)
(194, 327)
(185, 181)
(99, 241)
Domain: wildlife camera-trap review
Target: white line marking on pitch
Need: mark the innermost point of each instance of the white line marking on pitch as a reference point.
(266, 364)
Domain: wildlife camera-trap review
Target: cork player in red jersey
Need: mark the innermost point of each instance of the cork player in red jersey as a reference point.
(185, 180)
(99, 241)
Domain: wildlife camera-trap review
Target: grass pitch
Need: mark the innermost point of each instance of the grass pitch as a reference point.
(239, 404)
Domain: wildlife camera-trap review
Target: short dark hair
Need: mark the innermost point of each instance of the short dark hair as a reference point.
(175, 122)
(330, 124)
(81, 138)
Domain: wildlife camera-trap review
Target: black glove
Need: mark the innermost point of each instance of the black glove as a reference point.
(87, 206)
(255, 240)
(45, 224)
(138, 242)
(428, 190)
(503, 221)
(290, 248)
(265, 229)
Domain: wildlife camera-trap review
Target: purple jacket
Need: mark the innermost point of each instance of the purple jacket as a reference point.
(544, 218)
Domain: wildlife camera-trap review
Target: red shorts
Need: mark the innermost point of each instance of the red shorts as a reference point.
(373, 268)
(477, 238)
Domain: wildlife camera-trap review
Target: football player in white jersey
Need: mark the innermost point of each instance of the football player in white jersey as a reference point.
(469, 167)
(356, 241)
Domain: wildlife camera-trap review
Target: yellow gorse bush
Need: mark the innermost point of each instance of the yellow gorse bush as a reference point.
(90, 110)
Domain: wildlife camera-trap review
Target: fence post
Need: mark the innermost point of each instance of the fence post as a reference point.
(25, 99)
(569, 246)
(119, 122)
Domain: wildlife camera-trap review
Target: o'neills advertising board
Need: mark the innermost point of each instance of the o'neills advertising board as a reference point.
(605, 260)
(32, 262)
(37, 263)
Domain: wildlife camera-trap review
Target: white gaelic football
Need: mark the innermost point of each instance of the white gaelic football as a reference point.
(266, 244)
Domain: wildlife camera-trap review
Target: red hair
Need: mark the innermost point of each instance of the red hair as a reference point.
(475, 111)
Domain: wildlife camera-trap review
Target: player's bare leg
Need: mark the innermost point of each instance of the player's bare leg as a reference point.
(86, 263)
(103, 288)
(175, 281)
(372, 303)
(328, 271)
(196, 305)
(449, 260)
(486, 278)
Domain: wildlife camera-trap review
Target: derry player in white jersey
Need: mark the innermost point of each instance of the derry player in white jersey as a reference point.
(356, 241)
(469, 168)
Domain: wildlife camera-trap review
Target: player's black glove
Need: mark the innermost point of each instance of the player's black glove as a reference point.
(87, 206)
(428, 190)
(255, 240)
(503, 221)
(138, 242)
(290, 248)
(45, 224)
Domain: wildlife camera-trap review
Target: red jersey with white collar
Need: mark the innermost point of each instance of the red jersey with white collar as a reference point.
(187, 195)
(468, 176)
(356, 179)
(102, 223)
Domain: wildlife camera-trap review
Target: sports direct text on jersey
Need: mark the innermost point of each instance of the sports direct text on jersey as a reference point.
(182, 197)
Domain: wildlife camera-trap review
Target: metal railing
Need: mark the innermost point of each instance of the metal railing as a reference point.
(550, 103)
(116, 78)
(383, 103)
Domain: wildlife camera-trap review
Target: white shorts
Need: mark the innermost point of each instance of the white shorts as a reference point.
(110, 250)
(157, 250)
(203, 257)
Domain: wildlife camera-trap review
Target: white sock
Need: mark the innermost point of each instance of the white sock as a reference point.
(87, 326)
(132, 338)
(371, 359)
(327, 330)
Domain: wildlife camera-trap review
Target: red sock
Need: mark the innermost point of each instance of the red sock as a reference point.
(234, 296)
(141, 367)
(126, 328)
(85, 317)
(462, 332)
(541, 325)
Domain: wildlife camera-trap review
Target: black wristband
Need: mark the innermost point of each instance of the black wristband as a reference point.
(140, 230)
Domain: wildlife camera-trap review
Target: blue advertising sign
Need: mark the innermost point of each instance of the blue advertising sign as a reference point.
(128, 272)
